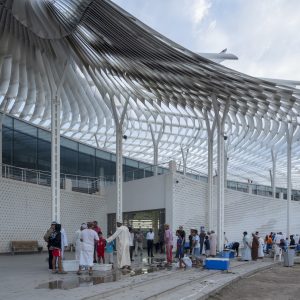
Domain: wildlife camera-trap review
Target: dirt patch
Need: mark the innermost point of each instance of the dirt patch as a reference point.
(277, 283)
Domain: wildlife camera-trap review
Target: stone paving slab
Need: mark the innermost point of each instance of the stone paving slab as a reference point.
(22, 274)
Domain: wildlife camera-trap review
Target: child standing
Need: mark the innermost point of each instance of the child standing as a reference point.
(109, 249)
(100, 248)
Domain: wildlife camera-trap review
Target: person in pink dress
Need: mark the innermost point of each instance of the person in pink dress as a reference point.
(168, 238)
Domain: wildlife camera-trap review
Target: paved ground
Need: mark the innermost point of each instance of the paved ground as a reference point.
(279, 282)
(26, 277)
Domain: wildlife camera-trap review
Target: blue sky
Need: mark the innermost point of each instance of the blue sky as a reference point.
(264, 34)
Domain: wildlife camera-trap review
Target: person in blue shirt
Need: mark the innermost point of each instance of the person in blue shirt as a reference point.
(109, 249)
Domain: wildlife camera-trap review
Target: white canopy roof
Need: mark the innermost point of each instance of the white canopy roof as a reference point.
(112, 56)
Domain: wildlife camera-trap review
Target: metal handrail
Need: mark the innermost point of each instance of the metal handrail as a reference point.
(83, 184)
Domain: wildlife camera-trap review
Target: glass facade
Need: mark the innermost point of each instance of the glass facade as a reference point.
(27, 146)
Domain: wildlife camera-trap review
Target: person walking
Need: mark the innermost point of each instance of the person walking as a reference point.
(202, 236)
(139, 238)
(123, 240)
(150, 239)
(246, 252)
(196, 244)
(168, 239)
(254, 247)
(55, 242)
(46, 238)
(207, 246)
(89, 238)
(131, 243)
(77, 241)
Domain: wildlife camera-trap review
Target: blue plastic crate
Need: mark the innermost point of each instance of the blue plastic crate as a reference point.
(217, 263)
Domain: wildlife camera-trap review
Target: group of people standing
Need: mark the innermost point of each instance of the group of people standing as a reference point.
(254, 248)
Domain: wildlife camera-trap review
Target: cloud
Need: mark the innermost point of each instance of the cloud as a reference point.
(263, 34)
(196, 9)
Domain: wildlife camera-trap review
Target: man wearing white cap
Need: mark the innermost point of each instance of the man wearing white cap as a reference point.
(123, 241)
(88, 237)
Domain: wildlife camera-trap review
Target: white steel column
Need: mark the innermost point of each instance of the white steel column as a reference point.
(155, 145)
(210, 147)
(273, 178)
(184, 153)
(226, 159)
(289, 139)
(119, 156)
(2, 116)
(55, 158)
(55, 149)
(220, 194)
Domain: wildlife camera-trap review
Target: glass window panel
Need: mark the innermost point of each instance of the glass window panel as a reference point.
(86, 164)
(25, 150)
(86, 149)
(44, 135)
(8, 121)
(103, 154)
(44, 155)
(131, 163)
(7, 145)
(68, 161)
(105, 168)
(68, 143)
(25, 128)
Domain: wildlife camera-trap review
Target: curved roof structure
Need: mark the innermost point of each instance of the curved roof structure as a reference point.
(112, 56)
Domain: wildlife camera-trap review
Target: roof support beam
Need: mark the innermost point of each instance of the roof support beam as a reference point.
(290, 129)
(156, 141)
(119, 121)
(55, 147)
(184, 153)
(210, 153)
(273, 173)
(220, 122)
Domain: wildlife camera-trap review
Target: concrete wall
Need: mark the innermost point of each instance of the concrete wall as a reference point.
(25, 212)
(143, 194)
(189, 202)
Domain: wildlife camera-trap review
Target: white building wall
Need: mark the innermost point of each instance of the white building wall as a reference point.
(247, 212)
(142, 194)
(189, 203)
(25, 212)
(243, 211)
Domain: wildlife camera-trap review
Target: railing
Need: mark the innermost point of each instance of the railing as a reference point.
(92, 185)
(76, 183)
